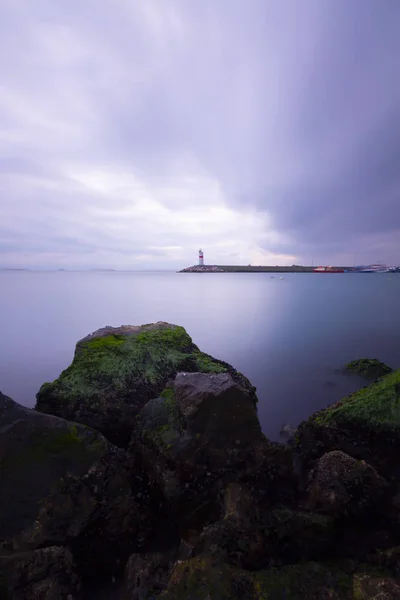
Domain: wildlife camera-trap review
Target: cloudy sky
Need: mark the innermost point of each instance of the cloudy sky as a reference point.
(133, 132)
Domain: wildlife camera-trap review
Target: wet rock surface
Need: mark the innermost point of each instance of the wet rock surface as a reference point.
(202, 433)
(64, 484)
(200, 505)
(365, 425)
(343, 486)
(116, 370)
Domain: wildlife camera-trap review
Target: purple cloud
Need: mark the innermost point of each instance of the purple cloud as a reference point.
(132, 132)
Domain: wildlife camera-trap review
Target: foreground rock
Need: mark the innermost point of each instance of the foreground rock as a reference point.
(342, 486)
(199, 435)
(46, 574)
(365, 425)
(64, 484)
(201, 506)
(115, 371)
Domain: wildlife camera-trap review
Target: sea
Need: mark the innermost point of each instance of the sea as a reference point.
(291, 335)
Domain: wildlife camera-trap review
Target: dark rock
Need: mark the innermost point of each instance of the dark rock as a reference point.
(204, 579)
(63, 483)
(371, 368)
(281, 536)
(365, 425)
(201, 578)
(342, 486)
(388, 559)
(202, 433)
(45, 574)
(115, 371)
(147, 575)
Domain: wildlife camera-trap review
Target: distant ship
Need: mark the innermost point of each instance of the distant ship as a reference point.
(328, 270)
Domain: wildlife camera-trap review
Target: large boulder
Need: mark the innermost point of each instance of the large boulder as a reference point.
(282, 535)
(364, 425)
(65, 484)
(45, 574)
(116, 370)
(201, 433)
(343, 487)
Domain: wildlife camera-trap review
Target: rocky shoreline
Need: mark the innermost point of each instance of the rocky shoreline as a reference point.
(144, 466)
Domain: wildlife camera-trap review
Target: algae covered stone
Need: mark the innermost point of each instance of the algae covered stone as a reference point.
(64, 483)
(115, 371)
(365, 425)
(201, 433)
(370, 368)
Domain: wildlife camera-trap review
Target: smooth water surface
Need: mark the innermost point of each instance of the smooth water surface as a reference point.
(290, 336)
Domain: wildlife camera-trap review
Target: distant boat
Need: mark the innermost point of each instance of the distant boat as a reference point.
(328, 270)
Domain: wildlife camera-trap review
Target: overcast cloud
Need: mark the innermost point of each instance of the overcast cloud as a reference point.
(133, 132)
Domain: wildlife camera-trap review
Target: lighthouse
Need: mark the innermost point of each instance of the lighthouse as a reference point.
(201, 258)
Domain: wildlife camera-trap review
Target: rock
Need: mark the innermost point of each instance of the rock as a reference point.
(204, 579)
(365, 425)
(147, 575)
(342, 486)
(63, 483)
(372, 587)
(116, 370)
(45, 574)
(201, 434)
(371, 368)
(281, 536)
(387, 559)
(324, 582)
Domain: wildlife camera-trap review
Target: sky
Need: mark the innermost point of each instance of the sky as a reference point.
(134, 132)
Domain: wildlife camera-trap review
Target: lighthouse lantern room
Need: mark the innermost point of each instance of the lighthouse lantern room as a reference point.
(201, 257)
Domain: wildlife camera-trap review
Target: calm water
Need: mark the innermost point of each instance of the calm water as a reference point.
(289, 336)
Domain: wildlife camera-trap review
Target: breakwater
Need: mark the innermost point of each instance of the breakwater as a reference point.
(252, 269)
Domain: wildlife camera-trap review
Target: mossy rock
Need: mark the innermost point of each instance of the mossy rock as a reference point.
(370, 368)
(64, 483)
(115, 371)
(365, 425)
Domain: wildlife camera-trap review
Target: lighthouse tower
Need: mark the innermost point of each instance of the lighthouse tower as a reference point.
(201, 257)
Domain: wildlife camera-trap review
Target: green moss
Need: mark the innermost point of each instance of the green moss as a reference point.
(63, 443)
(106, 342)
(307, 580)
(112, 377)
(377, 404)
(368, 367)
(206, 364)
